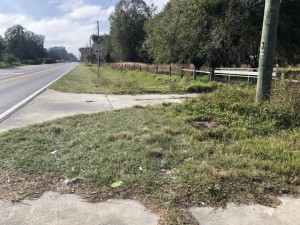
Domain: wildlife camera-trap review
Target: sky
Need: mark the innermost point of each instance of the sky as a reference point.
(67, 23)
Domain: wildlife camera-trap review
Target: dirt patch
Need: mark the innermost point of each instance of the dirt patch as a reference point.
(17, 187)
(201, 125)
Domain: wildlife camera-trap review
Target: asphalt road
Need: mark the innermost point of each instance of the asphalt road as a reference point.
(18, 84)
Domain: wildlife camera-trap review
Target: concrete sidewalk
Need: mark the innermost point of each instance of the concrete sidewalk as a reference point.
(56, 209)
(69, 209)
(52, 105)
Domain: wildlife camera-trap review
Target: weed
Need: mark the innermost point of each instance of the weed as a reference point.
(286, 95)
(124, 135)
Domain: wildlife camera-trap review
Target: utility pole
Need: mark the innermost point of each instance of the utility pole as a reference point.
(91, 50)
(99, 52)
(98, 43)
(267, 50)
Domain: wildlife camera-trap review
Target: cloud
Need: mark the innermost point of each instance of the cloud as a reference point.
(72, 28)
(68, 5)
(159, 3)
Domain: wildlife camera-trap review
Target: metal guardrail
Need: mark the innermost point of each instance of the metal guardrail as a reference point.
(194, 71)
(249, 73)
(242, 72)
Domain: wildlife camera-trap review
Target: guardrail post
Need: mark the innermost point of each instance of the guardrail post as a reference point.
(194, 74)
(181, 72)
(212, 76)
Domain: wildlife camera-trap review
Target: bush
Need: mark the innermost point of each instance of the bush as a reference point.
(199, 88)
(10, 59)
(47, 61)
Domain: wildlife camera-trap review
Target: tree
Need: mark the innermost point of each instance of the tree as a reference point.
(24, 45)
(288, 43)
(127, 33)
(15, 41)
(195, 31)
(219, 32)
(72, 57)
(34, 46)
(2, 48)
(107, 53)
(58, 53)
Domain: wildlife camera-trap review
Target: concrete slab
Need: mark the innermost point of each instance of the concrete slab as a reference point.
(288, 213)
(52, 105)
(56, 209)
(126, 101)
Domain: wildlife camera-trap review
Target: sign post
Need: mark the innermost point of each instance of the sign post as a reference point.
(97, 49)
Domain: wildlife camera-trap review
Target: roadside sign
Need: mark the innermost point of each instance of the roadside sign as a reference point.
(97, 47)
(97, 52)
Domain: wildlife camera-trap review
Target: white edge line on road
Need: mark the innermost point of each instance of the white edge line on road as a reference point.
(15, 108)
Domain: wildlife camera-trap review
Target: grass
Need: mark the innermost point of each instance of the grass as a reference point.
(250, 155)
(5, 65)
(84, 79)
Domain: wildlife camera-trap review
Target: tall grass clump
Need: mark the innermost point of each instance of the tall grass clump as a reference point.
(286, 95)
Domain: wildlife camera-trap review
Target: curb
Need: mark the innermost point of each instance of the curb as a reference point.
(21, 104)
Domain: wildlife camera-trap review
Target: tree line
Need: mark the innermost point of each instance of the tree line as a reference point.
(22, 46)
(203, 32)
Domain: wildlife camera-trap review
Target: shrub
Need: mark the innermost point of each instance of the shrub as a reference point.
(199, 88)
(10, 59)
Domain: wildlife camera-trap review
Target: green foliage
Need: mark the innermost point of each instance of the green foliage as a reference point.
(2, 48)
(288, 33)
(126, 28)
(23, 44)
(199, 88)
(107, 53)
(26, 47)
(219, 32)
(10, 59)
(58, 53)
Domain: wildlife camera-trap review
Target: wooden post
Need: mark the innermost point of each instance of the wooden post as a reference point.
(181, 72)
(170, 70)
(156, 69)
(212, 74)
(194, 74)
(140, 68)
